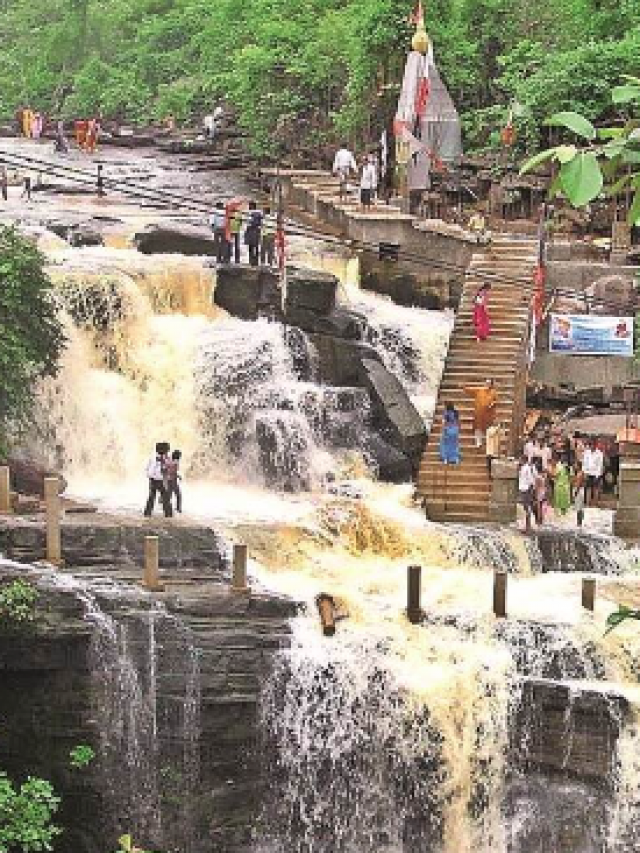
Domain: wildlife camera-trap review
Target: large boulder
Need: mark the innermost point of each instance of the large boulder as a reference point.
(340, 322)
(311, 290)
(248, 292)
(76, 233)
(183, 240)
(390, 464)
(394, 411)
(340, 361)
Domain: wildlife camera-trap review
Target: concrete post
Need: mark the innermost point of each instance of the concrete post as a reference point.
(151, 578)
(5, 490)
(589, 594)
(500, 594)
(626, 521)
(239, 583)
(52, 517)
(414, 584)
(503, 501)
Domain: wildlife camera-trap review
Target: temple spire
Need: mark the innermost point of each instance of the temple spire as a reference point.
(420, 40)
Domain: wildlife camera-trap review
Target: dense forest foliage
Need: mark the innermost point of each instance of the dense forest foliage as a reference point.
(313, 69)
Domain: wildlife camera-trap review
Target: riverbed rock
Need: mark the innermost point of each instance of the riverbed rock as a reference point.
(27, 476)
(340, 361)
(76, 233)
(311, 290)
(247, 292)
(340, 322)
(390, 464)
(181, 240)
(100, 541)
(393, 409)
(202, 778)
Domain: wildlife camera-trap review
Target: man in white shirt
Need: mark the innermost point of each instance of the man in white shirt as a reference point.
(218, 222)
(156, 468)
(344, 164)
(526, 486)
(593, 467)
(529, 448)
(368, 183)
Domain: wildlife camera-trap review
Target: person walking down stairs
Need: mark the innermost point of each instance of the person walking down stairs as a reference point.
(481, 321)
(450, 441)
(485, 400)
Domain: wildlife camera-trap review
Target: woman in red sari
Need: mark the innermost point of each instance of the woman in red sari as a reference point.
(481, 322)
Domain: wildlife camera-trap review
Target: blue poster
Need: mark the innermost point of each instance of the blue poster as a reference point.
(587, 334)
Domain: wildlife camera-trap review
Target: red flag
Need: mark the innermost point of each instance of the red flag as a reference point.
(539, 281)
(280, 247)
(422, 96)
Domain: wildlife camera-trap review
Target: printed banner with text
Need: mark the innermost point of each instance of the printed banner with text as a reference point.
(587, 334)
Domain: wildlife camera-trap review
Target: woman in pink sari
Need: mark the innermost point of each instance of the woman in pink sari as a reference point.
(481, 322)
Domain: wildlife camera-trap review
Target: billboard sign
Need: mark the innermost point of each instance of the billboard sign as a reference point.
(588, 334)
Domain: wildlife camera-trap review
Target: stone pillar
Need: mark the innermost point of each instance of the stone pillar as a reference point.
(52, 515)
(626, 521)
(151, 578)
(503, 500)
(5, 490)
(239, 582)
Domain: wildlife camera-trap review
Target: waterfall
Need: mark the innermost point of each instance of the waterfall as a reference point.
(145, 669)
(241, 399)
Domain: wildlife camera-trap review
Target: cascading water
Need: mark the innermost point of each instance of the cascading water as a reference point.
(389, 737)
(149, 731)
(240, 399)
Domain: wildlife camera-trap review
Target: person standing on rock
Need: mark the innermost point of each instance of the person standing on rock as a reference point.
(485, 401)
(344, 164)
(481, 322)
(4, 184)
(61, 146)
(253, 233)
(450, 440)
(268, 243)
(173, 478)
(218, 222)
(562, 489)
(579, 493)
(368, 184)
(593, 467)
(235, 230)
(26, 191)
(526, 489)
(156, 474)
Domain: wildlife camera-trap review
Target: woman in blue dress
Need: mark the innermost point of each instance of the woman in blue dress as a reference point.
(450, 441)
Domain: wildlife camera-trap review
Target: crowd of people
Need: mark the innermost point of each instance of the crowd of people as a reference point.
(163, 473)
(236, 223)
(32, 124)
(556, 476)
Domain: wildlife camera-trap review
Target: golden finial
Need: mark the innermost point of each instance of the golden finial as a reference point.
(420, 40)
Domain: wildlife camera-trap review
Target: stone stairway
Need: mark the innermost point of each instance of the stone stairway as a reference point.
(461, 493)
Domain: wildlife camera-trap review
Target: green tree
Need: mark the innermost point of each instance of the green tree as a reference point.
(608, 158)
(31, 336)
(26, 814)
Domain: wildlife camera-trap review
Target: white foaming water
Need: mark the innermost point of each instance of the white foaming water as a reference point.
(239, 399)
(390, 737)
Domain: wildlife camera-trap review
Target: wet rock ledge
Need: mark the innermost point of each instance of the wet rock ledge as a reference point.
(187, 663)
